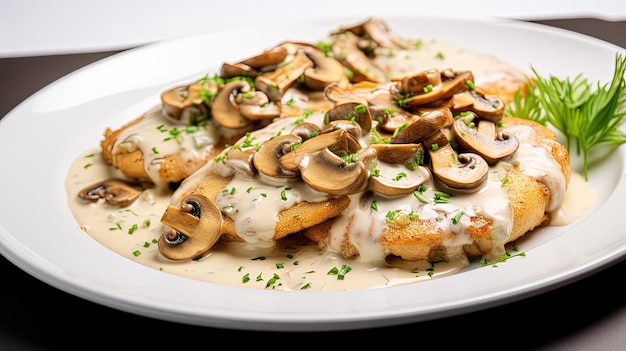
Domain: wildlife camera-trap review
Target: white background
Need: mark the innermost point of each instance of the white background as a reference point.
(34, 27)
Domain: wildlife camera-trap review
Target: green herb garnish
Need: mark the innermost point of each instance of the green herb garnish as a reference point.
(585, 115)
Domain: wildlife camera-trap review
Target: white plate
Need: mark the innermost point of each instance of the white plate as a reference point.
(41, 137)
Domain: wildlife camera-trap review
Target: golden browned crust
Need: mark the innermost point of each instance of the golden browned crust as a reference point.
(422, 239)
(173, 168)
(294, 219)
(307, 214)
(289, 221)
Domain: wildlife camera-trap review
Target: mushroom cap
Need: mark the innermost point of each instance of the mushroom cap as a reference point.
(230, 70)
(325, 70)
(269, 57)
(489, 108)
(390, 122)
(185, 103)
(484, 140)
(240, 161)
(115, 192)
(346, 48)
(267, 159)
(337, 141)
(465, 172)
(337, 93)
(306, 130)
(417, 83)
(396, 153)
(197, 225)
(349, 126)
(376, 30)
(352, 111)
(225, 110)
(379, 32)
(451, 84)
(276, 82)
(424, 126)
(257, 106)
(396, 179)
(327, 172)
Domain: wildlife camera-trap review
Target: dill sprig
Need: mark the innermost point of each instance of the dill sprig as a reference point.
(585, 115)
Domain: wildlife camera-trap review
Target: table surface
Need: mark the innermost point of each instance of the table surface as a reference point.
(584, 315)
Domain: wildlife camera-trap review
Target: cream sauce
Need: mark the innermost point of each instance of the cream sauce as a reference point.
(292, 264)
(441, 56)
(159, 136)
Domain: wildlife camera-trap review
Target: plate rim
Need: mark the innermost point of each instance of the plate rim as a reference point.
(28, 260)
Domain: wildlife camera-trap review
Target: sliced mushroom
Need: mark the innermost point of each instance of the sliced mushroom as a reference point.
(379, 32)
(419, 83)
(424, 126)
(275, 83)
(466, 172)
(185, 103)
(382, 103)
(455, 82)
(306, 130)
(229, 70)
(114, 191)
(327, 172)
(351, 111)
(300, 100)
(368, 156)
(225, 110)
(257, 106)
(484, 140)
(338, 141)
(325, 70)
(293, 46)
(486, 107)
(270, 57)
(349, 126)
(397, 153)
(267, 159)
(240, 161)
(196, 227)
(451, 84)
(394, 179)
(383, 36)
(390, 122)
(345, 48)
(336, 93)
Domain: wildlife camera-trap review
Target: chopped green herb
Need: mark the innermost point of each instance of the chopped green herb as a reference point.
(272, 280)
(586, 116)
(457, 217)
(132, 228)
